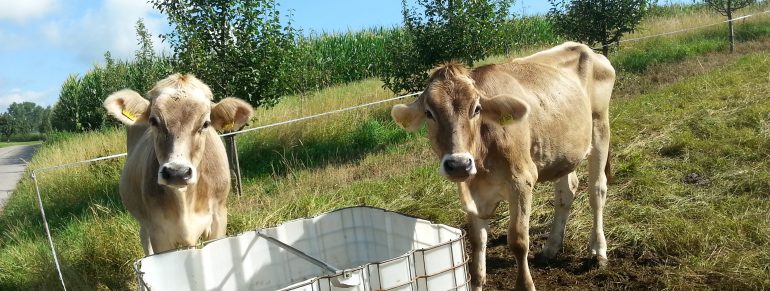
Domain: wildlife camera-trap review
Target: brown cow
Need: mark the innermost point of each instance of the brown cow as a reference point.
(499, 129)
(176, 177)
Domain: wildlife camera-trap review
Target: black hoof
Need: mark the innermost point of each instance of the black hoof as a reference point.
(542, 260)
(601, 262)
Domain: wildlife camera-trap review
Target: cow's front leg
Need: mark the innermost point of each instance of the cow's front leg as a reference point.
(519, 208)
(478, 238)
(218, 223)
(144, 238)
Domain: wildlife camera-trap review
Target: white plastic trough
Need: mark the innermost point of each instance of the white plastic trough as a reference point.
(364, 248)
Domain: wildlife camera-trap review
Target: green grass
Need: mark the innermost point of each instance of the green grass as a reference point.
(637, 57)
(8, 144)
(713, 122)
(715, 125)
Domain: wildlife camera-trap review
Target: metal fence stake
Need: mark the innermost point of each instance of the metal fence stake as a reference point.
(235, 167)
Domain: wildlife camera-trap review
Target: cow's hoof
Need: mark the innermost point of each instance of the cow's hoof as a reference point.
(601, 261)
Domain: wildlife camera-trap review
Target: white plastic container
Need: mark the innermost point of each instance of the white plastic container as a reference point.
(367, 249)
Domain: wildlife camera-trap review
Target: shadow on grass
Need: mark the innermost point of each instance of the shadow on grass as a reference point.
(67, 195)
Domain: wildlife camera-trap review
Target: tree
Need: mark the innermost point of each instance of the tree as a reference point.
(237, 47)
(7, 126)
(65, 113)
(148, 66)
(45, 121)
(596, 22)
(726, 8)
(27, 116)
(439, 31)
(145, 53)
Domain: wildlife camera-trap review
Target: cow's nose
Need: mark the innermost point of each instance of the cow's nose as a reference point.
(458, 164)
(176, 172)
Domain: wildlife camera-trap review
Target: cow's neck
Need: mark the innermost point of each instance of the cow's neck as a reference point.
(490, 134)
(182, 198)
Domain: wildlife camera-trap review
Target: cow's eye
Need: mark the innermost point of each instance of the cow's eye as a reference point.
(477, 110)
(154, 121)
(428, 114)
(206, 124)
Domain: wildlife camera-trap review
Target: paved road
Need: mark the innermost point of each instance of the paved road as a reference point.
(12, 168)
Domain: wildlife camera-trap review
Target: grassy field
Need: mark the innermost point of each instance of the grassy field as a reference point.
(688, 209)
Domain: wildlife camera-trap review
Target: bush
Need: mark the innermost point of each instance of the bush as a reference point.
(79, 107)
(440, 31)
(597, 22)
(238, 47)
(22, 137)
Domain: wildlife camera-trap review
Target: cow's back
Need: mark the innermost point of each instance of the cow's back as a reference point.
(594, 71)
(559, 117)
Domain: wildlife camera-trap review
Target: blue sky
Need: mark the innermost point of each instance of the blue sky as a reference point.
(44, 41)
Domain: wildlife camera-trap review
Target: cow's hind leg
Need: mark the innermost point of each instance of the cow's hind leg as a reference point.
(564, 194)
(478, 239)
(597, 179)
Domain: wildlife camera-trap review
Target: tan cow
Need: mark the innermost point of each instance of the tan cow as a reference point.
(501, 128)
(176, 177)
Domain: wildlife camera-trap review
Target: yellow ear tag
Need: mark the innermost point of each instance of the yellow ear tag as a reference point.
(228, 126)
(506, 119)
(129, 115)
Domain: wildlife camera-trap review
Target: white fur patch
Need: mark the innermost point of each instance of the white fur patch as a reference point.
(197, 94)
(167, 91)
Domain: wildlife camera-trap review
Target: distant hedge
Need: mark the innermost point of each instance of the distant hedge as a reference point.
(318, 61)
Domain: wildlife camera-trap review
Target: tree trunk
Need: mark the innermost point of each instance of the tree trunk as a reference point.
(605, 49)
(731, 32)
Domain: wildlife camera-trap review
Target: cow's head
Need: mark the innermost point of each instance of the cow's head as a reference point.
(181, 116)
(454, 108)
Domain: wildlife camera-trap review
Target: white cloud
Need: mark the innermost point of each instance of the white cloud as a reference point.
(18, 96)
(25, 10)
(110, 27)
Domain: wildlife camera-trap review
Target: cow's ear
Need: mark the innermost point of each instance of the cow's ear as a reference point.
(504, 108)
(127, 106)
(409, 116)
(231, 114)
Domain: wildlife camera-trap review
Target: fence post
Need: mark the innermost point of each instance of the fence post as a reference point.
(235, 167)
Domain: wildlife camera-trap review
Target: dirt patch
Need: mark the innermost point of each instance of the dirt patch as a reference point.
(574, 270)
(696, 179)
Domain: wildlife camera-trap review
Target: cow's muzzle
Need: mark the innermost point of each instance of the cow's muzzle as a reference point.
(457, 167)
(176, 174)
